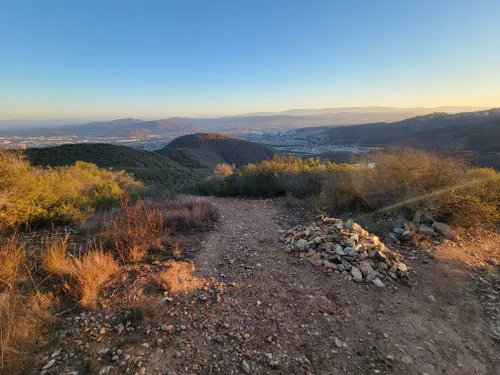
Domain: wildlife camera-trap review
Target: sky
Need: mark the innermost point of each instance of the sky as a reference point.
(87, 59)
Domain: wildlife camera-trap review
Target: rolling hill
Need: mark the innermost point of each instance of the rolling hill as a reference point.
(216, 148)
(184, 161)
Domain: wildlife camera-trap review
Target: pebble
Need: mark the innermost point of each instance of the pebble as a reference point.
(49, 364)
(245, 367)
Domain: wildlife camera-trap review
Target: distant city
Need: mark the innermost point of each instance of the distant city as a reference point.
(285, 140)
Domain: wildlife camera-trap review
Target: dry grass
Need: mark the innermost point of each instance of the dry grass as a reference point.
(23, 309)
(134, 229)
(83, 274)
(11, 258)
(187, 212)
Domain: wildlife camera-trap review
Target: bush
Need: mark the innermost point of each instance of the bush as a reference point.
(83, 274)
(384, 180)
(36, 196)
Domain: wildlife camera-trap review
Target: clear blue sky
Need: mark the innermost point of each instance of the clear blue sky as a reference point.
(106, 59)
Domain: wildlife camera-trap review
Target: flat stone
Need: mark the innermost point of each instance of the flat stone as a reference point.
(338, 249)
(245, 366)
(402, 267)
(356, 274)
(302, 245)
(378, 282)
(426, 230)
(445, 230)
(350, 250)
(382, 266)
(365, 267)
(329, 264)
(316, 256)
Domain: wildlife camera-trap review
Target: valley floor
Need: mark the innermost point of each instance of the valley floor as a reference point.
(250, 307)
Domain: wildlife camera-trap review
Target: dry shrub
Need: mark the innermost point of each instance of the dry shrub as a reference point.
(223, 171)
(406, 176)
(383, 181)
(83, 274)
(134, 229)
(187, 212)
(131, 232)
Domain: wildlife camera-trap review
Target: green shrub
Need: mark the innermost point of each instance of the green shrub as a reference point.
(384, 181)
(35, 196)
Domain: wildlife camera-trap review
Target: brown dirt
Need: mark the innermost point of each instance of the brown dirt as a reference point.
(259, 310)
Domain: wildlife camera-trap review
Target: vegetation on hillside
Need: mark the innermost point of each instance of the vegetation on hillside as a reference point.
(151, 168)
(177, 167)
(413, 179)
(38, 196)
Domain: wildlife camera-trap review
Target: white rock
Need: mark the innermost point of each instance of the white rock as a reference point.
(378, 282)
(49, 364)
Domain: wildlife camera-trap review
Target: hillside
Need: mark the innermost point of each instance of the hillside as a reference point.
(470, 131)
(184, 161)
(216, 148)
(149, 167)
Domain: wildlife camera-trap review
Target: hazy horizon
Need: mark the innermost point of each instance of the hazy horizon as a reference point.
(25, 123)
(95, 61)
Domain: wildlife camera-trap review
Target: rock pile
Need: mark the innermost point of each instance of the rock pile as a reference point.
(345, 247)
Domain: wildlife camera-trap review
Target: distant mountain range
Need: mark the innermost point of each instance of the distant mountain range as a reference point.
(294, 118)
(415, 111)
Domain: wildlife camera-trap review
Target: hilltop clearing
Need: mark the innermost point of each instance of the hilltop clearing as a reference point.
(232, 301)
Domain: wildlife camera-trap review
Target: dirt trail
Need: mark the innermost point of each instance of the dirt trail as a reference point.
(277, 314)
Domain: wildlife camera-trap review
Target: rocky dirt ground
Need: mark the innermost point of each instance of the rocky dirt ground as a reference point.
(239, 304)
